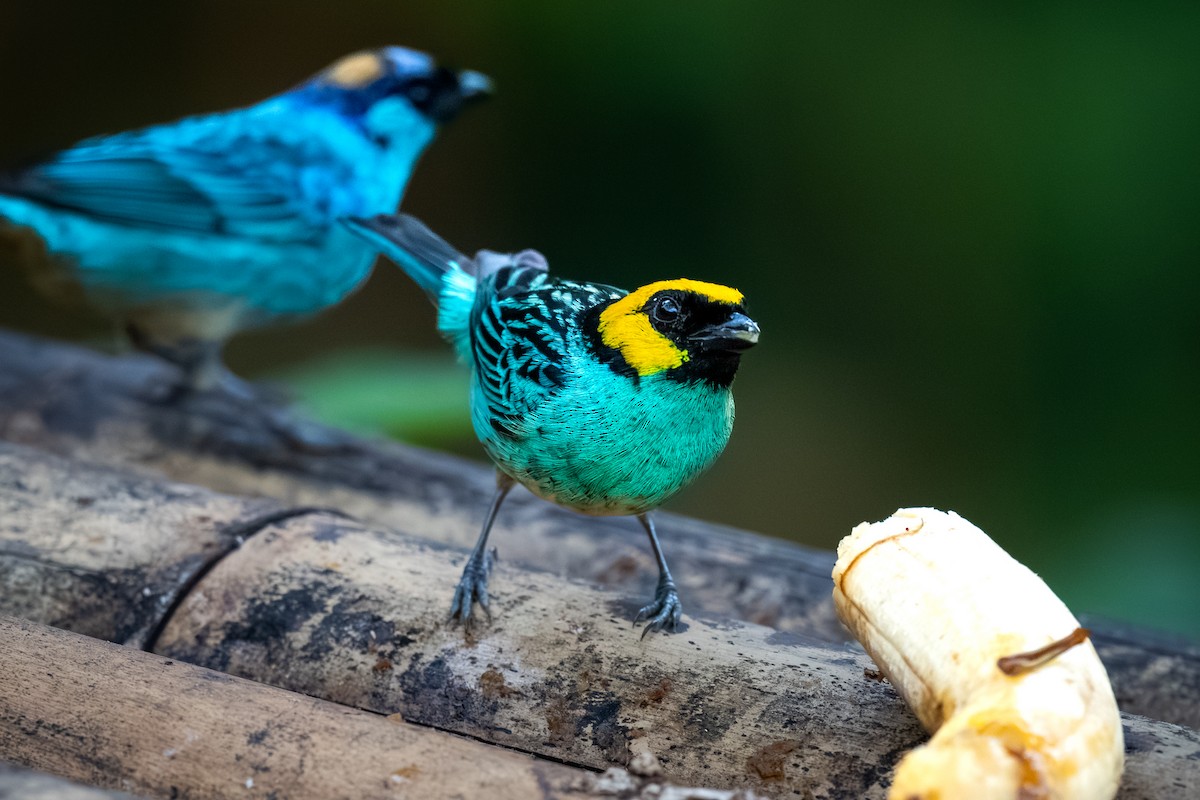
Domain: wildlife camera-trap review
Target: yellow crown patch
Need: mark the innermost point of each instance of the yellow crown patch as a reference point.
(355, 70)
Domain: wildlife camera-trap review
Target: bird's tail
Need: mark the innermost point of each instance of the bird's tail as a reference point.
(420, 252)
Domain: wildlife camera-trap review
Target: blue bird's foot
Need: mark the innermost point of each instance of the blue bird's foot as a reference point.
(473, 587)
(198, 360)
(179, 392)
(663, 614)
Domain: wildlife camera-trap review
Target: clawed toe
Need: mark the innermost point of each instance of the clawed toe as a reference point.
(663, 614)
(473, 588)
(465, 598)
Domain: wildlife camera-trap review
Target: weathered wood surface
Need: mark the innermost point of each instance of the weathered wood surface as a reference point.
(326, 606)
(17, 783)
(86, 405)
(322, 605)
(74, 551)
(116, 717)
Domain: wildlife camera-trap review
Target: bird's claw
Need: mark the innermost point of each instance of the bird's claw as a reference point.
(663, 614)
(473, 588)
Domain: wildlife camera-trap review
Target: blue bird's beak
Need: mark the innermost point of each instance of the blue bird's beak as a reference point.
(474, 85)
(735, 334)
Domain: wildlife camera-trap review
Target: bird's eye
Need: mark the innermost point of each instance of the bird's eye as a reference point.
(666, 309)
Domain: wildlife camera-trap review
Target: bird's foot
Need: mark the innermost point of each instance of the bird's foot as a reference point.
(212, 384)
(473, 587)
(663, 614)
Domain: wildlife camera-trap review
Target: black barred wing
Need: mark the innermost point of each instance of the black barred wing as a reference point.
(523, 326)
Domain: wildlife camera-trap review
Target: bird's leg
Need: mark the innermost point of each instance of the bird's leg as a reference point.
(663, 613)
(206, 379)
(201, 369)
(472, 586)
(198, 360)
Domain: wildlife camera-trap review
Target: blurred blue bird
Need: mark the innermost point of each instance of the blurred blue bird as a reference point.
(191, 231)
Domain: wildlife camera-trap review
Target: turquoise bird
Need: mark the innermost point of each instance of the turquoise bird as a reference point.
(188, 232)
(600, 400)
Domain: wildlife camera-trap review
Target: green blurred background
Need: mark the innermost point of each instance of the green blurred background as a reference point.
(969, 234)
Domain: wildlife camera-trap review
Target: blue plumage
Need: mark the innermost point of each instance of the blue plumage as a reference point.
(190, 231)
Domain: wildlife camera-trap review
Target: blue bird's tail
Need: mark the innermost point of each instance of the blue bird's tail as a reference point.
(420, 252)
(445, 275)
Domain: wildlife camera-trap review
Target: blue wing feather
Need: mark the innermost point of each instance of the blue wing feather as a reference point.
(129, 181)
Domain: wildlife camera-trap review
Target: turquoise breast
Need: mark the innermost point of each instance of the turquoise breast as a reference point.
(610, 444)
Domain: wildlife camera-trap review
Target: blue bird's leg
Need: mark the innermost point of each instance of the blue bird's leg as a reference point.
(663, 613)
(201, 370)
(198, 360)
(472, 586)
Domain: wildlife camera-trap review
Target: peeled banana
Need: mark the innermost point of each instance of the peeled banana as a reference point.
(989, 659)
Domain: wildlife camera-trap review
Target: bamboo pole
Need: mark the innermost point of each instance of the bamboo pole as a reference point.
(102, 552)
(323, 605)
(115, 717)
(330, 608)
(17, 783)
(72, 401)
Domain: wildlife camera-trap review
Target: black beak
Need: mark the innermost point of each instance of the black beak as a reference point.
(735, 334)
